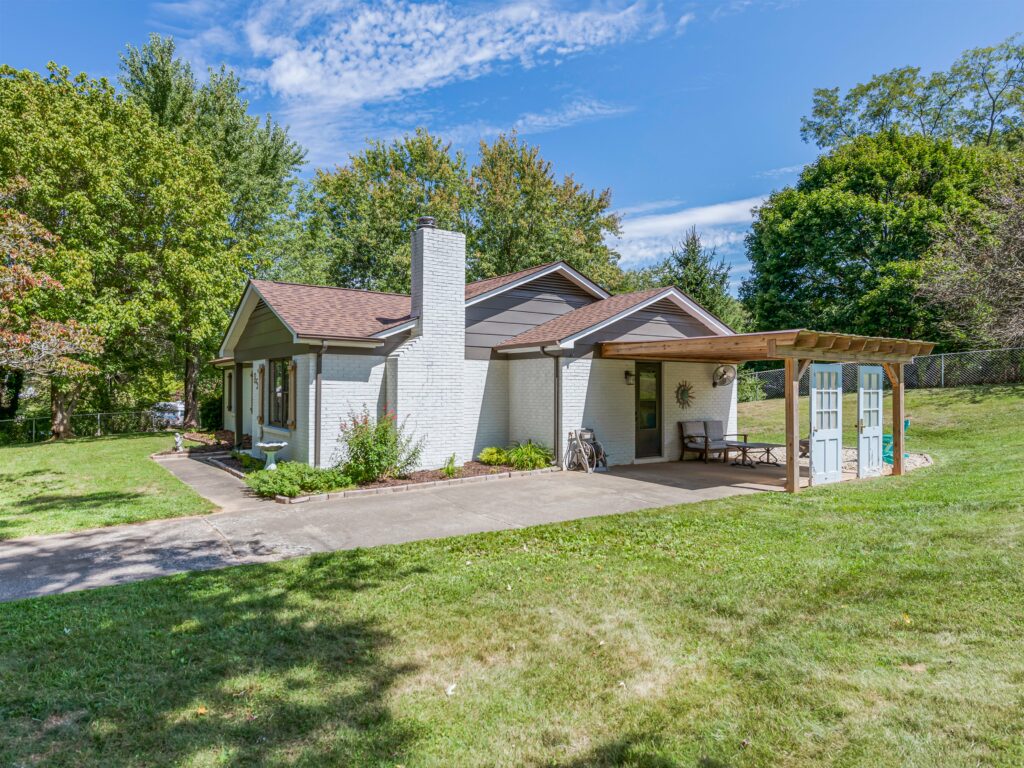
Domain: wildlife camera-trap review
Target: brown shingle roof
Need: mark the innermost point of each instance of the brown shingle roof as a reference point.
(322, 312)
(564, 326)
(489, 284)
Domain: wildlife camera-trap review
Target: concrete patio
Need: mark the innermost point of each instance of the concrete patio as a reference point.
(252, 530)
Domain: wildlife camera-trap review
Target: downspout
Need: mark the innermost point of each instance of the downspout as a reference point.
(317, 400)
(557, 442)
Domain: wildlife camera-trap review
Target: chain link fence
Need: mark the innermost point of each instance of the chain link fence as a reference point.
(951, 369)
(37, 429)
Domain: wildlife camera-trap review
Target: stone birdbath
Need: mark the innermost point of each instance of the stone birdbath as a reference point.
(270, 449)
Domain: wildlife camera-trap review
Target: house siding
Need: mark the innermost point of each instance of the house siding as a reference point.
(508, 314)
(349, 382)
(663, 320)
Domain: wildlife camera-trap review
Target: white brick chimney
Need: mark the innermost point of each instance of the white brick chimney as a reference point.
(426, 374)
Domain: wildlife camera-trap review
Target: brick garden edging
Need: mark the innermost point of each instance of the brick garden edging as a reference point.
(354, 492)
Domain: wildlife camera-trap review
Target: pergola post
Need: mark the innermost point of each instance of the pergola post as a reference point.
(895, 372)
(792, 425)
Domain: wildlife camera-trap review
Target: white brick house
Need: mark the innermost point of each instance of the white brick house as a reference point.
(507, 359)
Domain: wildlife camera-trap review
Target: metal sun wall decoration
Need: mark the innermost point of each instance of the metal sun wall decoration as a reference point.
(684, 394)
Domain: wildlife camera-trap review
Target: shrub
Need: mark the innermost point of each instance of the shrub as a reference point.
(249, 463)
(493, 456)
(749, 388)
(377, 449)
(211, 413)
(294, 479)
(450, 468)
(529, 455)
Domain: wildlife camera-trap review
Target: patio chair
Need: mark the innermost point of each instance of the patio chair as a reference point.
(716, 433)
(704, 438)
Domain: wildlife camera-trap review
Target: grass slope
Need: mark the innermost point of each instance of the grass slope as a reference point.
(88, 483)
(874, 624)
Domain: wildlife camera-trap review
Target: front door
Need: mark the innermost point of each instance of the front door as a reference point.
(869, 420)
(648, 410)
(826, 423)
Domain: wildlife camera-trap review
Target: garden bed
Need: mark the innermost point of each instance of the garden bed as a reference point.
(469, 469)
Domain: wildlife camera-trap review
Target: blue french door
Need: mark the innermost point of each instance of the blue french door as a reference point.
(826, 452)
(869, 420)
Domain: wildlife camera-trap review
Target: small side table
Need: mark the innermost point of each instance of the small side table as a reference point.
(762, 454)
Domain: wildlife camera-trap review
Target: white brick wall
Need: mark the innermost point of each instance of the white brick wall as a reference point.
(485, 406)
(349, 382)
(426, 374)
(595, 395)
(708, 402)
(531, 400)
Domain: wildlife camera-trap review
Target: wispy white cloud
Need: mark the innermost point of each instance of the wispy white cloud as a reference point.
(647, 238)
(684, 22)
(335, 66)
(573, 112)
(786, 170)
(348, 54)
(648, 207)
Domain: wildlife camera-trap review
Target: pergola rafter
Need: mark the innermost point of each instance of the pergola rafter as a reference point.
(798, 348)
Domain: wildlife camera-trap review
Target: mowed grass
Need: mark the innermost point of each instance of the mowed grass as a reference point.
(877, 623)
(88, 483)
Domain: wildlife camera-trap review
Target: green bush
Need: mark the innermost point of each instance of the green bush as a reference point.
(749, 388)
(294, 479)
(493, 456)
(249, 463)
(377, 449)
(529, 455)
(211, 413)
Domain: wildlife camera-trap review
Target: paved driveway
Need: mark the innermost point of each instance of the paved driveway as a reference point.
(251, 530)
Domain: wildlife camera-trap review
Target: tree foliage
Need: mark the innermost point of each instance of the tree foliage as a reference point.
(255, 161)
(28, 342)
(980, 100)
(355, 222)
(697, 271)
(141, 220)
(842, 250)
(977, 277)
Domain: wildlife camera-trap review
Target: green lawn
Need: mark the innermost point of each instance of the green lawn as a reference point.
(877, 623)
(87, 483)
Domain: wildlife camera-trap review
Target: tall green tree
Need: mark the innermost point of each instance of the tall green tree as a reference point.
(256, 161)
(979, 100)
(842, 250)
(697, 271)
(352, 227)
(359, 217)
(142, 223)
(523, 216)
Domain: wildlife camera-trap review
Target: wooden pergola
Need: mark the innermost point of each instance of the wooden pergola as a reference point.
(798, 348)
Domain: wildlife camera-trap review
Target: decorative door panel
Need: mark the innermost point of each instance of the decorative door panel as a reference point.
(869, 420)
(826, 423)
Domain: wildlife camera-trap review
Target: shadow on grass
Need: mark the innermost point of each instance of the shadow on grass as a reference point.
(243, 667)
(632, 751)
(80, 501)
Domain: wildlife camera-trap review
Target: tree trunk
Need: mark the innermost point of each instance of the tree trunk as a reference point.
(62, 405)
(11, 383)
(192, 364)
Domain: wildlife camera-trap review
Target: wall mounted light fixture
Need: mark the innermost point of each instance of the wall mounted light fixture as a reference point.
(630, 378)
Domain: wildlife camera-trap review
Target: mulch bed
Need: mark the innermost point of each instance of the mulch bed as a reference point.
(469, 469)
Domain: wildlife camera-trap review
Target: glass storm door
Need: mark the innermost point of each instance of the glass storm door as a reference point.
(869, 420)
(648, 410)
(826, 423)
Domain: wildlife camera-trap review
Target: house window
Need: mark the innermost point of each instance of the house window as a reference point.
(279, 393)
(228, 390)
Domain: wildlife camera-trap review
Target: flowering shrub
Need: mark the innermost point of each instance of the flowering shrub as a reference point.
(377, 449)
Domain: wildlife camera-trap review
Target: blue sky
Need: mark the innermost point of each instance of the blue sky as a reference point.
(689, 111)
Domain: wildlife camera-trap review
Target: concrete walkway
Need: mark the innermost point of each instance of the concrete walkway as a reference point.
(252, 530)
